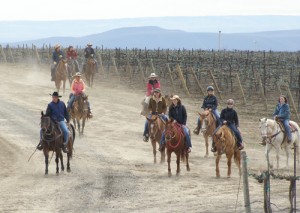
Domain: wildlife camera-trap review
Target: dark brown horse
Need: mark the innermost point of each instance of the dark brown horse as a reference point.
(61, 74)
(175, 142)
(90, 71)
(156, 127)
(225, 142)
(208, 126)
(71, 70)
(79, 112)
(52, 140)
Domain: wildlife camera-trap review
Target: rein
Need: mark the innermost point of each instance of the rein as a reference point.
(273, 136)
(177, 127)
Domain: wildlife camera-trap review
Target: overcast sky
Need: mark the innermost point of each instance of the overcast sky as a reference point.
(114, 9)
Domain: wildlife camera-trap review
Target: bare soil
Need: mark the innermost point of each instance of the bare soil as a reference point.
(112, 168)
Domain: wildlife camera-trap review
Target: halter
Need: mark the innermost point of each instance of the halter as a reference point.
(273, 137)
(177, 127)
(208, 126)
(50, 131)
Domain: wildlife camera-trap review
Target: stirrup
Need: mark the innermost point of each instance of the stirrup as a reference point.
(213, 149)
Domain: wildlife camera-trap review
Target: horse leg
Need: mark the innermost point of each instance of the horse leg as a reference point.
(267, 152)
(169, 166)
(287, 152)
(217, 166)
(187, 162)
(178, 163)
(229, 157)
(46, 153)
(74, 122)
(57, 161)
(64, 86)
(153, 142)
(68, 163)
(163, 156)
(206, 145)
(83, 124)
(61, 161)
(78, 125)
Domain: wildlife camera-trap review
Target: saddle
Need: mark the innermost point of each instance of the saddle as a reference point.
(281, 126)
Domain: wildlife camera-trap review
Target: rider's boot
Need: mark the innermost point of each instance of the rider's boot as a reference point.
(64, 148)
(197, 130)
(161, 147)
(40, 146)
(90, 115)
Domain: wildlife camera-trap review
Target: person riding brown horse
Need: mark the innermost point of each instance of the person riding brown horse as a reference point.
(57, 55)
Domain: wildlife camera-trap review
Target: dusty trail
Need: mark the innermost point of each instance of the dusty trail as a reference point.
(112, 169)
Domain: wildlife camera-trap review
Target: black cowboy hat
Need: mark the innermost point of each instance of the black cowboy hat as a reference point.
(55, 94)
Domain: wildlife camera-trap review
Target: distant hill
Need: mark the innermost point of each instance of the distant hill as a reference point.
(155, 37)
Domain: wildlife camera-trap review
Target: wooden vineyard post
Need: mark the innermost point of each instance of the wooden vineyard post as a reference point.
(152, 66)
(261, 88)
(11, 55)
(291, 100)
(115, 67)
(101, 64)
(142, 72)
(197, 81)
(241, 88)
(183, 80)
(171, 78)
(215, 83)
(128, 68)
(37, 55)
(3, 54)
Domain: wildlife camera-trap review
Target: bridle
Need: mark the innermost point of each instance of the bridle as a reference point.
(270, 138)
(169, 137)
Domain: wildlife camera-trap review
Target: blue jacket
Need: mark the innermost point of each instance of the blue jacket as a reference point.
(210, 102)
(58, 111)
(178, 113)
(282, 111)
(88, 52)
(229, 115)
(56, 56)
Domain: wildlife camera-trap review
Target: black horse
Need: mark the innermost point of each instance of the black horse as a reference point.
(52, 140)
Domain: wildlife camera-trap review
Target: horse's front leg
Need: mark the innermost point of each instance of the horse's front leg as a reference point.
(57, 161)
(46, 162)
(83, 125)
(206, 145)
(169, 166)
(229, 157)
(187, 162)
(78, 125)
(68, 163)
(64, 86)
(178, 163)
(163, 156)
(287, 152)
(217, 166)
(267, 153)
(61, 161)
(153, 143)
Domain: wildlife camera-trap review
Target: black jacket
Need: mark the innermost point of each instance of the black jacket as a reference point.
(210, 102)
(178, 113)
(230, 116)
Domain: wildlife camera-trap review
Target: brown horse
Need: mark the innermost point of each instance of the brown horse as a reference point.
(61, 74)
(79, 112)
(90, 71)
(208, 126)
(156, 127)
(175, 142)
(52, 140)
(225, 142)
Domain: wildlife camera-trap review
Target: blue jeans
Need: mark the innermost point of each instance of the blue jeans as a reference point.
(186, 134)
(217, 115)
(287, 128)
(72, 99)
(65, 130)
(236, 132)
(146, 128)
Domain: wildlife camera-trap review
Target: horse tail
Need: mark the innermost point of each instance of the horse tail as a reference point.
(237, 158)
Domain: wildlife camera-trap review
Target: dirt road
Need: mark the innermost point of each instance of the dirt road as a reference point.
(112, 168)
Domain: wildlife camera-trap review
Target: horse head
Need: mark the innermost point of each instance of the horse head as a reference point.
(220, 138)
(207, 120)
(154, 126)
(169, 130)
(265, 128)
(45, 122)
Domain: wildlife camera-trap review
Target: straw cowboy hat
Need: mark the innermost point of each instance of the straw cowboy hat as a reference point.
(56, 46)
(55, 94)
(175, 97)
(89, 44)
(78, 74)
(152, 75)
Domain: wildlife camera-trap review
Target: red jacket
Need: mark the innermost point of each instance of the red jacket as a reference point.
(151, 85)
(72, 54)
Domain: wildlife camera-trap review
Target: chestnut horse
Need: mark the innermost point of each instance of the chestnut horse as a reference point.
(90, 71)
(79, 111)
(61, 74)
(175, 142)
(156, 127)
(52, 140)
(225, 142)
(208, 126)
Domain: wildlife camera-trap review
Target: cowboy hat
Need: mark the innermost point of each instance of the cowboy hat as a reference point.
(157, 90)
(152, 75)
(55, 94)
(78, 74)
(89, 44)
(56, 46)
(175, 97)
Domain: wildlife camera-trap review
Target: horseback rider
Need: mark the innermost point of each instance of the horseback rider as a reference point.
(89, 53)
(72, 54)
(210, 103)
(78, 88)
(56, 56)
(230, 118)
(57, 111)
(178, 113)
(157, 106)
(282, 113)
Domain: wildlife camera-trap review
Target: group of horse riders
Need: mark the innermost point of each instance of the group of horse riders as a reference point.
(58, 54)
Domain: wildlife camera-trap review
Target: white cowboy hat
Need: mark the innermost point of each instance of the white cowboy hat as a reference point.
(89, 44)
(175, 97)
(153, 75)
(56, 46)
(156, 90)
(78, 74)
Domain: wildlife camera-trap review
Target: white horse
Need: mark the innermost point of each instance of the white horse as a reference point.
(273, 136)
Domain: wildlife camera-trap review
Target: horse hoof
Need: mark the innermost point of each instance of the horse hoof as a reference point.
(68, 170)
(206, 155)
(169, 174)
(177, 174)
(218, 177)
(228, 176)
(188, 169)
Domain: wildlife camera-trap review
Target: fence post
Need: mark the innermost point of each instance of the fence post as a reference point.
(143, 81)
(182, 80)
(215, 83)
(267, 188)
(115, 67)
(197, 81)
(262, 91)
(171, 78)
(240, 85)
(11, 55)
(3, 54)
(37, 54)
(101, 64)
(245, 183)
